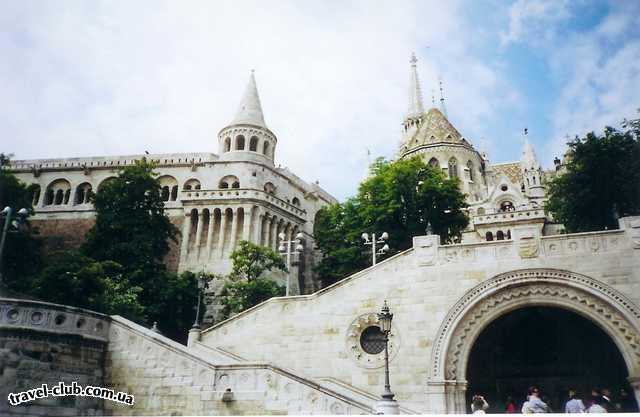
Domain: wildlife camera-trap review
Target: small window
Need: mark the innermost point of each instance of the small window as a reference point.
(453, 168)
(489, 237)
(470, 168)
(295, 201)
(503, 187)
(500, 235)
(253, 144)
(265, 148)
(227, 145)
(240, 143)
(372, 340)
(434, 163)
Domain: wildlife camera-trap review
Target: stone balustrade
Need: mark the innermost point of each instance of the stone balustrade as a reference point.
(240, 193)
(52, 318)
(507, 216)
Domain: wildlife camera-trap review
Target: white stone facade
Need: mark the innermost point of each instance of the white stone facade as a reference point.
(216, 199)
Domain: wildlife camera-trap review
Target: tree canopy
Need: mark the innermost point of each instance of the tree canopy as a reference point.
(601, 182)
(250, 261)
(400, 198)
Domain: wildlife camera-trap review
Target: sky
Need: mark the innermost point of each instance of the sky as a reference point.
(95, 78)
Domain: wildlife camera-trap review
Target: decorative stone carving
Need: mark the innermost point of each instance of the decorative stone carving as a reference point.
(354, 349)
(489, 300)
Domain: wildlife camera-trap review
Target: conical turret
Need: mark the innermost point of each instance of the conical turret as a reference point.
(416, 108)
(247, 136)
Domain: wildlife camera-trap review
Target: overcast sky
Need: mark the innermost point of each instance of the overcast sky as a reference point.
(119, 77)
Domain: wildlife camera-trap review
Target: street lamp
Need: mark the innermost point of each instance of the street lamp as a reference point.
(7, 213)
(374, 241)
(288, 248)
(387, 405)
(202, 284)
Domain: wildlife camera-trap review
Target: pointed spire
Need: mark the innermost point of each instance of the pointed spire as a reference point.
(415, 94)
(529, 160)
(443, 109)
(250, 110)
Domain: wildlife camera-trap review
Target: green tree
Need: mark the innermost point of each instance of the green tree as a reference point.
(602, 180)
(401, 198)
(77, 280)
(248, 284)
(250, 261)
(22, 257)
(133, 230)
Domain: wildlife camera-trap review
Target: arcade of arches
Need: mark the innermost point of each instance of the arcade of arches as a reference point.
(548, 347)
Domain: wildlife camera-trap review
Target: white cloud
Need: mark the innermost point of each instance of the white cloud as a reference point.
(534, 19)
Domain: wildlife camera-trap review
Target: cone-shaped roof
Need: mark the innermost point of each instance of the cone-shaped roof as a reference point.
(529, 160)
(250, 110)
(416, 108)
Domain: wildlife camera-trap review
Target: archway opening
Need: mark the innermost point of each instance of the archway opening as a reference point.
(551, 348)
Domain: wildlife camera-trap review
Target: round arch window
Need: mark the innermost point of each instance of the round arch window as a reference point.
(372, 340)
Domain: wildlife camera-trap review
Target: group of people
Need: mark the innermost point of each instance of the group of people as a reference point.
(600, 401)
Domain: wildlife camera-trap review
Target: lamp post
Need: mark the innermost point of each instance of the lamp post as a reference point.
(7, 213)
(202, 284)
(383, 239)
(285, 248)
(387, 405)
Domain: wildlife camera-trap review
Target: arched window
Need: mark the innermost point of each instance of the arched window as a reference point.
(453, 168)
(227, 144)
(489, 237)
(265, 148)
(35, 194)
(239, 143)
(229, 181)
(253, 144)
(83, 193)
(434, 163)
(506, 206)
(192, 184)
(470, 168)
(509, 234)
(269, 188)
(500, 235)
(480, 211)
(295, 201)
(58, 192)
(174, 193)
(165, 193)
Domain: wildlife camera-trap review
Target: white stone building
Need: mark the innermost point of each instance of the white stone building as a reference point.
(215, 199)
(500, 196)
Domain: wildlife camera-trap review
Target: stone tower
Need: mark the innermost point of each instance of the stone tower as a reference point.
(532, 175)
(247, 137)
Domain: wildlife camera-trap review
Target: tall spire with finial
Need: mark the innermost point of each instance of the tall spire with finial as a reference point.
(416, 107)
(529, 160)
(443, 109)
(250, 110)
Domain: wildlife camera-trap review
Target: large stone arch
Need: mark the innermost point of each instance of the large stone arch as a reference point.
(613, 312)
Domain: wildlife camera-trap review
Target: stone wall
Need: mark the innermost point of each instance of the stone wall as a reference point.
(168, 378)
(318, 335)
(59, 235)
(43, 343)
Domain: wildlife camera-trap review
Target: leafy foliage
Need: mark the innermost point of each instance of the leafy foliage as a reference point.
(602, 180)
(247, 284)
(22, 257)
(250, 261)
(400, 198)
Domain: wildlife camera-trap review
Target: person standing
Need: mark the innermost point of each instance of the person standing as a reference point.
(510, 407)
(479, 405)
(597, 406)
(534, 404)
(575, 404)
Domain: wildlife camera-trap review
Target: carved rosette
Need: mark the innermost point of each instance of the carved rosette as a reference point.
(354, 349)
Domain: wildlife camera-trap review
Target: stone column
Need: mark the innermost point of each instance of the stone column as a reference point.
(72, 196)
(234, 229)
(212, 223)
(186, 230)
(223, 225)
(273, 231)
(196, 248)
(246, 226)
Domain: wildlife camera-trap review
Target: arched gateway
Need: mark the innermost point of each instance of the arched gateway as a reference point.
(604, 306)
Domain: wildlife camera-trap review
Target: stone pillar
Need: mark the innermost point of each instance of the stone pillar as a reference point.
(273, 232)
(234, 230)
(194, 336)
(246, 226)
(196, 248)
(223, 225)
(186, 230)
(212, 223)
(257, 227)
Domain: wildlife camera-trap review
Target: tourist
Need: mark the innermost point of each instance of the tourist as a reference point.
(598, 405)
(510, 408)
(575, 404)
(479, 405)
(534, 404)
(606, 396)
